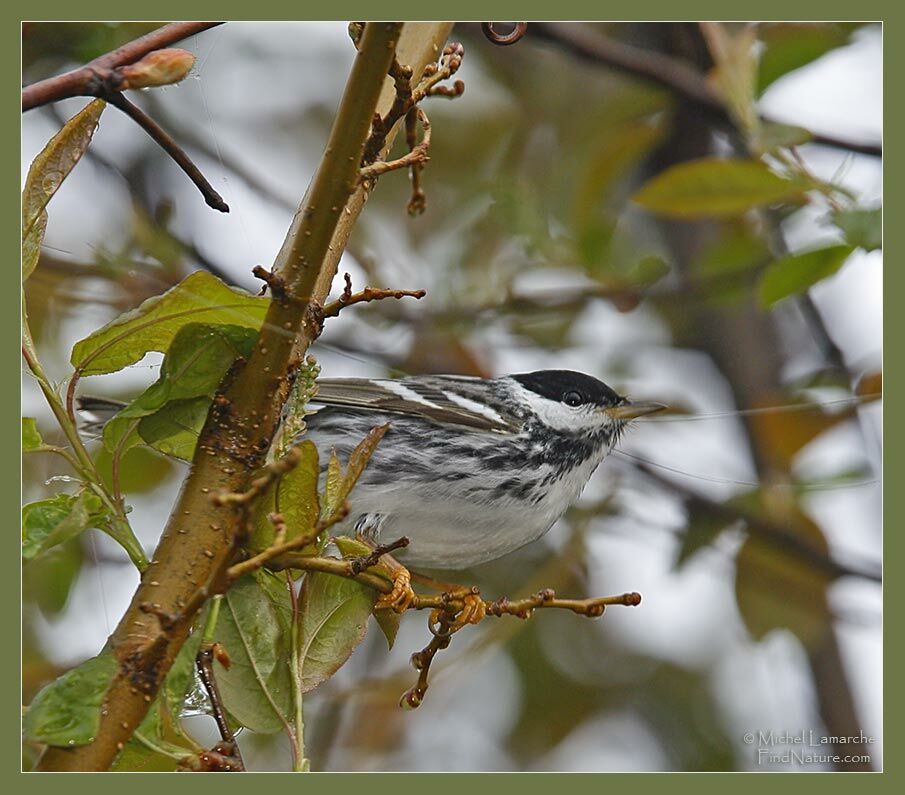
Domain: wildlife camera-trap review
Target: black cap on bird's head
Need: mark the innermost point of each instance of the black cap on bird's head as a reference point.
(578, 389)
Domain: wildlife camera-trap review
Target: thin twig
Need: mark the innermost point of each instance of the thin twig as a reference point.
(166, 142)
(225, 755)
(365, 296)
(417, 156)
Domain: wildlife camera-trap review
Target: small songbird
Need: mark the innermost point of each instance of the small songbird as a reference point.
(470, 468)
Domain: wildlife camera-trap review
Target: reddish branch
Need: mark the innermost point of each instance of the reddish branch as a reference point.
(109, 75)
(101, 74)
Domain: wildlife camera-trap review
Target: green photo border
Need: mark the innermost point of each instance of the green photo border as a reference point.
(525, 784)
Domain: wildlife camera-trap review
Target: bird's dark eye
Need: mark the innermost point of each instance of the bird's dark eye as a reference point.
(572, 399)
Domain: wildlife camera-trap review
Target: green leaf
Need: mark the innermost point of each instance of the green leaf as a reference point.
(711, 187)
(797, 272)
(254, 627)
(50, 577)
(152, 326)
(294, 496)
(31, 245)
(174, 429)
(735, 72)
(31, 438)
(333, 618)
(50, 522)
(774, 135)
(863, 228)
(67, 712)
(194, 366)
(339, 485)
(388, 621)
(790, 46)
(46, 174)
(776, 590)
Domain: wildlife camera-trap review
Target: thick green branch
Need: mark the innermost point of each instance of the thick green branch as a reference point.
(201, 538)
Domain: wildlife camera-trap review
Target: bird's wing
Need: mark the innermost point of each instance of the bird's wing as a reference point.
(448, 400)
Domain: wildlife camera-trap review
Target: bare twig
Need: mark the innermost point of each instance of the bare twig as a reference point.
(225, 755)
(166, 142)
(348, 298)
(417, 155)
(670, 73)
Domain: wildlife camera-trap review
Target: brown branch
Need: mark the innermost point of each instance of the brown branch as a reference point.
(225, 755)
(406, 97)
(259, 485)
(778, 536)
(417, 156)
(665, 71)
(232, 445)
(166, 142)
(87, 79)
(348, 298)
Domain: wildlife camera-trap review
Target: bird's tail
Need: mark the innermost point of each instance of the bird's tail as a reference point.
(95, 413)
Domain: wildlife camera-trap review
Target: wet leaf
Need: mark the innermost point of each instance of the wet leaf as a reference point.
(712, 187)
(863, 228)
(797, 272)
(294, 496)
(47, 172)
(31, 438)
(333, 488)
(339, 485)
(31, 245)
(333, 617)
(174, 429)
(254, 628)
(198, 358)
(67, 712)
(199, 298)
(47, 523)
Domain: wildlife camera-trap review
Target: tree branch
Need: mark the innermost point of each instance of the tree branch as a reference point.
(82, 81)
(200, 540)
(673, 74)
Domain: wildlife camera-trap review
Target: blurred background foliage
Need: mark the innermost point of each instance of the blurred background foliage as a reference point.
(752, 531)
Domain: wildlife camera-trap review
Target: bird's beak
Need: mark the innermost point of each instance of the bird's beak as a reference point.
(631, 411)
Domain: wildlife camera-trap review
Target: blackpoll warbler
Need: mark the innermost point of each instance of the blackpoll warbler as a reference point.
(470, 468)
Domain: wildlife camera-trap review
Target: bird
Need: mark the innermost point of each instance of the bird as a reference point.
(470, 469)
